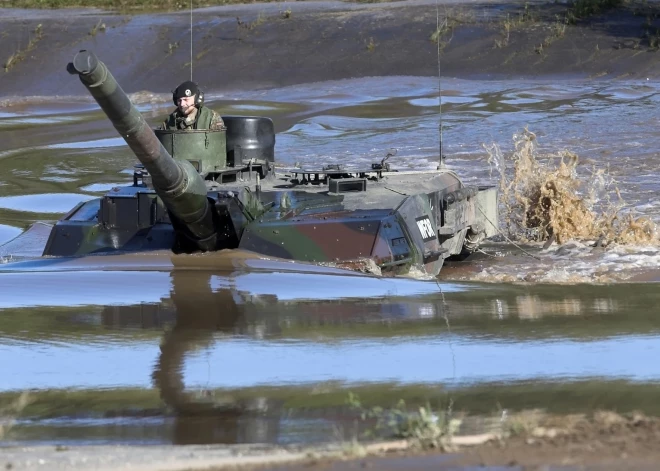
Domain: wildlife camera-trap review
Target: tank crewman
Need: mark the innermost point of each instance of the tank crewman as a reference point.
(190, 111)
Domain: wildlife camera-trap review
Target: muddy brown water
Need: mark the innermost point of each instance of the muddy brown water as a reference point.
(232, 348)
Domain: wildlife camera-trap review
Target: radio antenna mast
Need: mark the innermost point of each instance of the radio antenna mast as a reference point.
(441, 157)
(191, 40)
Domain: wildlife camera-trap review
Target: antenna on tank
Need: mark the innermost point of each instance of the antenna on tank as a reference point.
(441, 156)
(191, 40)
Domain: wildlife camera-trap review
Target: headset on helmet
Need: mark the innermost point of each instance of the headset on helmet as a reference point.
(188, 88)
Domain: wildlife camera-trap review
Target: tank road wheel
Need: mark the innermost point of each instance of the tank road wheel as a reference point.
(474, 236)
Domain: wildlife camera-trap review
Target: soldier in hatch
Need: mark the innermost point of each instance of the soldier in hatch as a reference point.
(190, 111)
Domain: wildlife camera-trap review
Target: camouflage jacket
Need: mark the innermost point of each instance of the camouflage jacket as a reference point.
(205, 118)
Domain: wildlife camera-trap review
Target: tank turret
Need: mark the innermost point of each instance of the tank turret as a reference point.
(176, 182)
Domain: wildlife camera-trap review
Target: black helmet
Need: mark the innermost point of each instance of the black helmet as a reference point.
(188, 88)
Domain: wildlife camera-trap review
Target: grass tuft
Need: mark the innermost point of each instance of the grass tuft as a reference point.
(18, 55)
(510, 23)
(452, 19)
(424, 428)
(171, 47)
(9, 413)
(261, 19)
(98, 27)
(581, 9)
(371, 45)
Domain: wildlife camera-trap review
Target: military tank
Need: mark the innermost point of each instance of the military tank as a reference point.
(207, 190)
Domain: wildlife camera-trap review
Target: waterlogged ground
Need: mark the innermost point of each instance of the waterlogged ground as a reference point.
(229, 348)
(110, 353)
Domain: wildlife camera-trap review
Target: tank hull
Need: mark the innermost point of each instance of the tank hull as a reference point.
(399, 221)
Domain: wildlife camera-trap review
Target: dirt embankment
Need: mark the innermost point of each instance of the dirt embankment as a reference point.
(605, 441)
(268, 45)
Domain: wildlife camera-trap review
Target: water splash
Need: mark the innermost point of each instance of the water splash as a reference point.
(545, 197)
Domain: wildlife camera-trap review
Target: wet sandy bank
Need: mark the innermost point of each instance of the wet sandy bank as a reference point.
(269, 45)
(605, 441)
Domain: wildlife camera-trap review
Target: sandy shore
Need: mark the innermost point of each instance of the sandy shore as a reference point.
(604, 441)
(217, 457)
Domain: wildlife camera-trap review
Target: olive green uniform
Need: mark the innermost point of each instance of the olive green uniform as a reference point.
(205, 118)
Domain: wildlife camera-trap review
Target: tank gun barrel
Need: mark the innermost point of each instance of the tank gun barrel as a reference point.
(177, 183)
(126, 119)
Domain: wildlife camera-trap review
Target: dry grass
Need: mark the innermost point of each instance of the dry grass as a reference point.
(371, 45)
(9, 413)
(512, 22)
(557, 31)
(18, 55)
(97, 28)
(452, 18)
(171, 47)
(261, 19)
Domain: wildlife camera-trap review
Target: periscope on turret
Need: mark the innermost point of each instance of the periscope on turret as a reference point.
(207, 190)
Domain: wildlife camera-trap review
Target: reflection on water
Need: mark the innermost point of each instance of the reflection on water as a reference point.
(7, 233)
(245, 355)
(97, 144)
(45, 203)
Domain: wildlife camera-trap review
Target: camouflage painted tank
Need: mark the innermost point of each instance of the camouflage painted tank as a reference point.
(212, 190)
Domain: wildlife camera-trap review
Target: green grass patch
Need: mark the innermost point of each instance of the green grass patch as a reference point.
(581, 9)
(425, 427)
(367, 401)
(91, 402)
